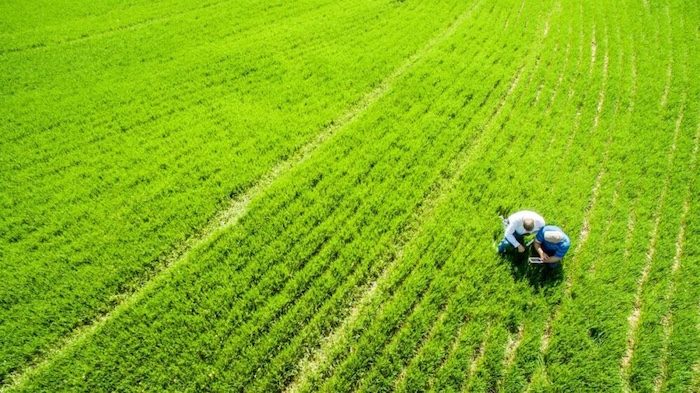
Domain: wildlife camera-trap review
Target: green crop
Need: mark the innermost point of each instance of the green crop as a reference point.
(302, 196)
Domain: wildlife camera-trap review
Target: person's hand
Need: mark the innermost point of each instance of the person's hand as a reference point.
(521, 249)
(545, 257)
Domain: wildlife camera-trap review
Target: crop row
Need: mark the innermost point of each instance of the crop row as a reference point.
(485, 294)
(509, 338)
(595, 335)
(311, 242)
(111, 161)
(382, 240)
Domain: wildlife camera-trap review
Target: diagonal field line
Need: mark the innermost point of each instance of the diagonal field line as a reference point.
(110, 32)
(476, 358)
(311, 365)
(228, 216)
(635, 315)
(588, 211)
(667, 321)
(400, 382)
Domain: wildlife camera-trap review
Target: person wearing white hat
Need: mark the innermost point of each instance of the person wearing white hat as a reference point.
(551, 243)
(516, 226)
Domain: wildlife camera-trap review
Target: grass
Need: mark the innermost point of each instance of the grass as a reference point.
(366, 263)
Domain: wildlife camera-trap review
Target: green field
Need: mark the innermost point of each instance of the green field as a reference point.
(301, 195)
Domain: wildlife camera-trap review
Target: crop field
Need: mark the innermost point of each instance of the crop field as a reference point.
(302, 195)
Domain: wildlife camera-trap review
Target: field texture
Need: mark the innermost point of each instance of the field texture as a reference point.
(301, 195)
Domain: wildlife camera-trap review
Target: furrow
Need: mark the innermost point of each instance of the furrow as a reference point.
(339, 337)
(606, 230)
(669, 71)
(594, 50)
(635, 314)
(453, 348)
(507, 22)
(588, 211)
(478, 355)
(593, 199)
(511, 348)
(667, 320)
(560, 79)
(401, 379)
(231, 214)
(513, 85)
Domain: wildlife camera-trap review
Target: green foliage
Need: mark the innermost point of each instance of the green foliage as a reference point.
(127, 127)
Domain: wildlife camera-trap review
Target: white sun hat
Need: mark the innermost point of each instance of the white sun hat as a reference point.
(553, 236)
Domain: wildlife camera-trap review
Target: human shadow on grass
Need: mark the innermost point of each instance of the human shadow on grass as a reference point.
(537, 275)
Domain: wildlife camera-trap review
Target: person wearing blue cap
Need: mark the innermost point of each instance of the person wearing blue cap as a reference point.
(552, 244)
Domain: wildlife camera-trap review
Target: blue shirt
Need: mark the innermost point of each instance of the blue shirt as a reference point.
(553, 249)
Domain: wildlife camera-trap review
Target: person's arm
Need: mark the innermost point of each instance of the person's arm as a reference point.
(538, 247)
(510, 231)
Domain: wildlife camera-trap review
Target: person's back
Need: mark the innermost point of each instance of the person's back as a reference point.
(516, 226)
(552, 244)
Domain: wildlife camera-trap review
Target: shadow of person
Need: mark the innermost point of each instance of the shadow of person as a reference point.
(538, 276)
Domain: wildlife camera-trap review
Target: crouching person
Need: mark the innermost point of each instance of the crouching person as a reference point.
(516, 227)
(551, 244)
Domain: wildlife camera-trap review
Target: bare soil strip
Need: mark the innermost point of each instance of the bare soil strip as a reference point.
(510, 350)
(310, 365)
(453, 347)
(667, 321)
(438, 323)
(228, 216)
(635, 315)
(594, 49)
(606, 231)
(478, 355)
(667, 88)
(585, 226)
(628, 239)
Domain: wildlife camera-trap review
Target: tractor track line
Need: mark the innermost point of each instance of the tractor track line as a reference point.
(403, 232)
(522, 4)
(476, 357)
(667, 321)
(594, 50)
(509, 352)
(588, 211)
(443, 187)
(421, 347)
(237, 208)
(454, 344)
(137, 25)
(437, 194)
(585, 227)
(669, 70)
(635, 315)
(466, 156)
(606, 231)
(512, 87)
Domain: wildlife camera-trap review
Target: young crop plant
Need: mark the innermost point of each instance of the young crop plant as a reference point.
(304, 196)
(165, 130)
